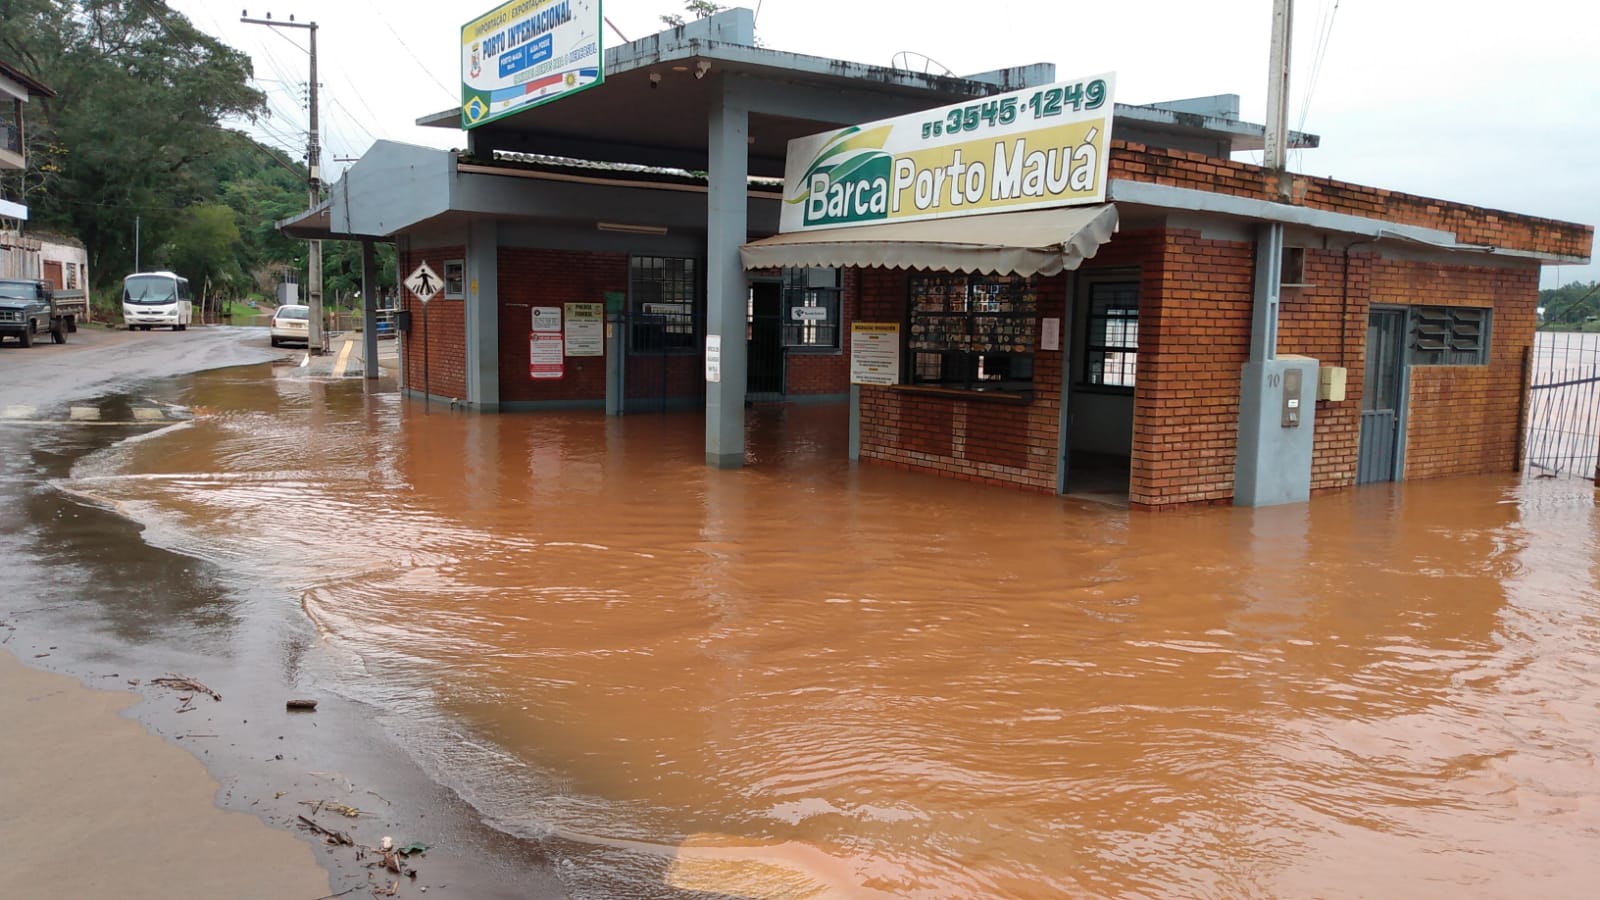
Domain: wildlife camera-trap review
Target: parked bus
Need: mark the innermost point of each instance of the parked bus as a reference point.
(151, 299)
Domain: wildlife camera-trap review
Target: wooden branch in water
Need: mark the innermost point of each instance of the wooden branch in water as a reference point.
(184, 683)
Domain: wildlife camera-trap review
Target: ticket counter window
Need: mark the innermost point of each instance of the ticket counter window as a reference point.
(973, 332)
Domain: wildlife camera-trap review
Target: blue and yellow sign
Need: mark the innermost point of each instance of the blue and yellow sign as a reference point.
(528, 52)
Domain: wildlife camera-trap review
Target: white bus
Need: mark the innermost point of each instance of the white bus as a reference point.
(151, 299)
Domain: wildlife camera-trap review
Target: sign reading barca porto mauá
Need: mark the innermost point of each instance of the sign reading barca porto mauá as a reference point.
(1033, 148)
(528, 52)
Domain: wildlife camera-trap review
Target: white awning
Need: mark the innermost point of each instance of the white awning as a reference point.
(1034, 242)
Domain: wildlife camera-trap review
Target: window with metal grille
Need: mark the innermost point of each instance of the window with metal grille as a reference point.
(811, 309)
(1448, 336)
(455, 279)
(1111, 351)
(973, 332)
(663, 293)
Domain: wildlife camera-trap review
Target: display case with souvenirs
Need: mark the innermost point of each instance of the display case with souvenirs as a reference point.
(973, 331)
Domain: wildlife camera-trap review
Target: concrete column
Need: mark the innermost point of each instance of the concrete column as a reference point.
(1268, 285)
(1277, 398)
(483, 315)
(727, 291)
(369, 310)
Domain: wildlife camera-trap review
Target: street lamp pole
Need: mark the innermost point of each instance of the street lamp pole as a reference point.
(313, 183)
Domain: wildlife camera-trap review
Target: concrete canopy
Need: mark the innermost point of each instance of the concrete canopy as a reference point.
(655, 104)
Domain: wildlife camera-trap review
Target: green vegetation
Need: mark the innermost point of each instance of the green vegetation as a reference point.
(1572, 307)
(137, 133)
(700, 9)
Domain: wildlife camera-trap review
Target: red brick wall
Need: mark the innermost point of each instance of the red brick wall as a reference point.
(530, 278)
(1464, 420)
(1470, 224)
(1194, 335)
(1327, 322)
(993, 441)
(446, 328)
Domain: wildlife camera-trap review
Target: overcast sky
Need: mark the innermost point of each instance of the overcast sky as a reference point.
(1491, 104)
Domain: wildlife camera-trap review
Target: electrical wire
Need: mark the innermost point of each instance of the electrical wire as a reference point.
(449, 92)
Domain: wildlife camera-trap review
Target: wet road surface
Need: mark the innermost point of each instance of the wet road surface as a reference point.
(806, 679)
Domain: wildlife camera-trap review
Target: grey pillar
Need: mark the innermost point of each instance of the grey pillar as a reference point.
(1268, 285)
(855, 421)
(369, 310)
(1277, 398)
(727, 292)
(482, 299)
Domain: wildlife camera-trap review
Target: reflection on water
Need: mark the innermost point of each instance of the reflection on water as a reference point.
(802, 679)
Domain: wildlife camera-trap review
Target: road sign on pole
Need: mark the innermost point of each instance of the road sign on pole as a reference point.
(424, 282)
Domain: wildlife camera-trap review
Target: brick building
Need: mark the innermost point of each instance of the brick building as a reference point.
(1120, 365)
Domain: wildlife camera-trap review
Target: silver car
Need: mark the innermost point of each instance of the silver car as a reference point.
(290, 324)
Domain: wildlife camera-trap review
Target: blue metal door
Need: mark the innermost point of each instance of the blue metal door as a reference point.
(1381, 396)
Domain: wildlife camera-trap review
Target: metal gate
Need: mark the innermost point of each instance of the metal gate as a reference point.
(1563, 405)
(764, 358)
(1384, 394)
(663, 364)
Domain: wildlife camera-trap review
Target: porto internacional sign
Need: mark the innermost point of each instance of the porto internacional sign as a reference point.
(1033, 148)
(528, 52)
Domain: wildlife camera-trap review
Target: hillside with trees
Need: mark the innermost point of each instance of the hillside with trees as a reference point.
(137, 139)
(1571, 307)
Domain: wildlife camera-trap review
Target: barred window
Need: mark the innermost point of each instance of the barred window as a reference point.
(811, 309)
(1448, 336)
(663, 293)
(1111, 354)
(455, 279)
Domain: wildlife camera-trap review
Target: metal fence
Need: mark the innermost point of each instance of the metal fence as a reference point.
(1563, 436)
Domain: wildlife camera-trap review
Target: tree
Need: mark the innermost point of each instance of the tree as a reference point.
(701, 9)
(1571, 304)
(203, 244)
(140, 94)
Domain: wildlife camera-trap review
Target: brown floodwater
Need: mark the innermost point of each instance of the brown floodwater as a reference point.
(809, 679)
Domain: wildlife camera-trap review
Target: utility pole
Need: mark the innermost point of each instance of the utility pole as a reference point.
(1277, 153)
(314, 183)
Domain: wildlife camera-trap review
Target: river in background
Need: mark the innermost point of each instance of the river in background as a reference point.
(811, 679)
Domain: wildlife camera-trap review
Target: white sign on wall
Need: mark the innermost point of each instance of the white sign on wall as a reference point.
(713, 358)
(547, 318)
(585, 326)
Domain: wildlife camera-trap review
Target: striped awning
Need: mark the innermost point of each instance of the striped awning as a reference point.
(1033, 242)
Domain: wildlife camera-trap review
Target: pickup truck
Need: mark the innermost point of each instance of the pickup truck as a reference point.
(29, 309)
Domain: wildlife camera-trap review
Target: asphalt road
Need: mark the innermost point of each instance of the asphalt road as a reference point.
(94, 360)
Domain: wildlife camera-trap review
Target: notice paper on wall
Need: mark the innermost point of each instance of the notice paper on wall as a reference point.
(1050, 335)
(585, 323)
(875, 353)
(713, 358)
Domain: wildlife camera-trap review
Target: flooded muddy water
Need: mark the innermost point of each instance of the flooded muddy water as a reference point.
(809, 679)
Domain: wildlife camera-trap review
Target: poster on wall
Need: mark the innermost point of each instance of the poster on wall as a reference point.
(528, 52)
(547, 318)
(585, 329)
(874, 352)
(545, 359)
(713, 358)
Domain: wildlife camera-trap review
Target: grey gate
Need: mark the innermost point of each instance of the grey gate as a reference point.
(1564, 405)
(1382, 396)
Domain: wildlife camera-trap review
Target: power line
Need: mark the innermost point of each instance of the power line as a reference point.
(452, 94)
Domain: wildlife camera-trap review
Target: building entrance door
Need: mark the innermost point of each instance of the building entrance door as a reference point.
(764, 362)
(1382, 397)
